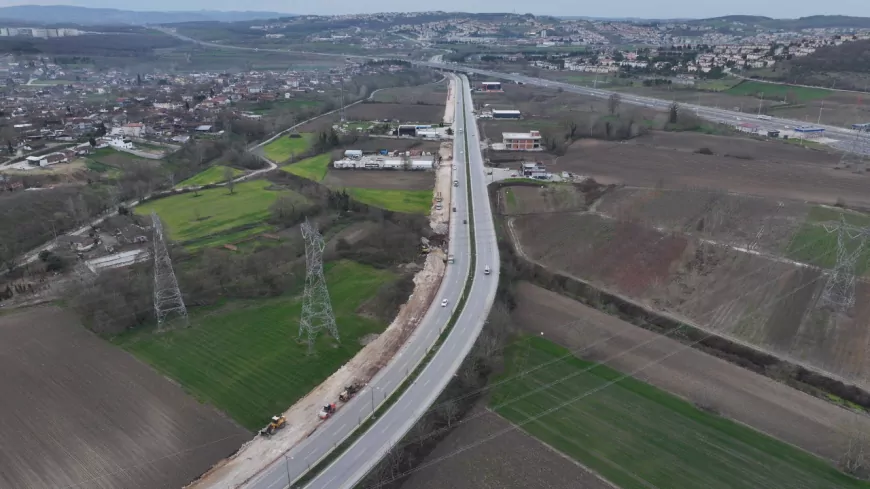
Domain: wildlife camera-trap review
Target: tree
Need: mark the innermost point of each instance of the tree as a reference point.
(673, 113)
(855, 459)
(613, 103)
(92, 142)
(571, 128)
(186, 105)
(229, 176)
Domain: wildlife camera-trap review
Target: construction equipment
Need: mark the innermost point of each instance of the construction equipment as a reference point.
(349, 392)
(276, 424)
(327, 411)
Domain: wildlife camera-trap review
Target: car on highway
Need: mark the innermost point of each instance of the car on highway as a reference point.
(443, 302)
(486, 270)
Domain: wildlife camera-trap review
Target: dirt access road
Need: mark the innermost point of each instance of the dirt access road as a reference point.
(85, 414)
(764, 404)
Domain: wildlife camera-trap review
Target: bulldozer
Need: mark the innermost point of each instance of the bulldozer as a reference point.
(327, 411)
(276, 424)
(348, 392)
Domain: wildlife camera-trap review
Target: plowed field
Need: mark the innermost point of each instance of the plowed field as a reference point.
(79, 412)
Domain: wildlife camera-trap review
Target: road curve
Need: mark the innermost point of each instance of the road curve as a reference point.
(352, 465)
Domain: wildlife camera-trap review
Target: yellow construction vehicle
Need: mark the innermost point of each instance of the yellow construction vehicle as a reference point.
(276, 424)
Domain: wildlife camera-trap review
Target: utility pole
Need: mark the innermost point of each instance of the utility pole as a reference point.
(819, 122)
(856, 154)
(168, 300)
(316, 306)
(760, 102)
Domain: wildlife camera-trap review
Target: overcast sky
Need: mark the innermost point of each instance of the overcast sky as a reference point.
(621, 8)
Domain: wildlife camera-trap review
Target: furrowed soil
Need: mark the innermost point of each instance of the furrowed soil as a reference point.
(380, 179)
(79, 412)
(757, 401)
(741, 165)
(514, 460)
(757, 298)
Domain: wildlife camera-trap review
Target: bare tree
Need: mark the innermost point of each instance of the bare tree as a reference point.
(571, 128)
(856, 450)
(673, 113)
(229, 176)
(449, 410)
(613, 103)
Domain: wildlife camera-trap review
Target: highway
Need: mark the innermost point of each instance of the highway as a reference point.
(712, 114)
(709, 113)
(370, 447)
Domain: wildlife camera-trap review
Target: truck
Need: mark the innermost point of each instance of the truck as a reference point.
(765, 117)
(450, 258)
(348, 392)
(327, 411)
(438, 197)
(455, 183)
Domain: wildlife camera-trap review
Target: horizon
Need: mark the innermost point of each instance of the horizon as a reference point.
(848, 8)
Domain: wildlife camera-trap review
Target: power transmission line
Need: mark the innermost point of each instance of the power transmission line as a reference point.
(316, 306)
(167, 296)
(839, 291)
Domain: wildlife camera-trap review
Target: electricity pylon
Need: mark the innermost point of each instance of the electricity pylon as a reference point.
(167, 296)
(316, 307)
(839, 291)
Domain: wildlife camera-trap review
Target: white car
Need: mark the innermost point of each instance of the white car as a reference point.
(443, 302)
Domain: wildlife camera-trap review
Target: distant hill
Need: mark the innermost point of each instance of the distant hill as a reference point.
(66, 14)
(811, 22)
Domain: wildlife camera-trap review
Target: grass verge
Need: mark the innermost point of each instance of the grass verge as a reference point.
(407, 201)
(188, 217)
(638, 436)
(243, 357)
(313, 168)
(281, 149)
(211, 175)
(789, 93)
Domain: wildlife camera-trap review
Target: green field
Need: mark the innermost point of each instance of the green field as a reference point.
(407, 201)
(813, 244)
(284, 147)
(189, 218)
(243, 357)
(638, 437)
(214, 174)
(313, 168)
(773, 91)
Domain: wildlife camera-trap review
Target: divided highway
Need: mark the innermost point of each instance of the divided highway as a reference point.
(352, 465)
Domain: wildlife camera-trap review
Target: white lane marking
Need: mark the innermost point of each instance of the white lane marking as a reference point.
(426, 383)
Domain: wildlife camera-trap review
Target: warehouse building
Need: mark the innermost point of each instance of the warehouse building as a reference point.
(522, 141)
(506, 114)
(491, 86)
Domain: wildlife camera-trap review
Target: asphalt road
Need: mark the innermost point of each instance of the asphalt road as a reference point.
(370, 447)
(708, 113)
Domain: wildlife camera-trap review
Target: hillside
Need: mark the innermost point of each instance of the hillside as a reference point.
(66, 14)
(846, 66)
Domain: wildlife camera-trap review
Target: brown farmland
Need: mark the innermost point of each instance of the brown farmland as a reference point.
(374, 111)
(380, 179)
(754, 299)
(773, 169)
(78, 412)
(764, 404)
(514, 460)
(430, 94)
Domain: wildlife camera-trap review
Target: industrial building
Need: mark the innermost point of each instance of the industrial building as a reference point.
(808, 131)
(535, 170)
(491, 86)
(522, 141)
(381, 163)
(506, 114)
(865, 127)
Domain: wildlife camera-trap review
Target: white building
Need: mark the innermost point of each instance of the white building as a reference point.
(119, 143)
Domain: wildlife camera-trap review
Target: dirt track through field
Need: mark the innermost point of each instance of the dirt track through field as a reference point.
(757, 401)
(78, 412)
